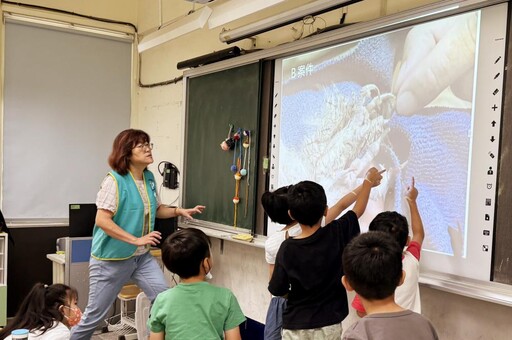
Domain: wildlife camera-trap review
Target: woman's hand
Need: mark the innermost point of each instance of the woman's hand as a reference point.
(187, 213)
(153, 238)
(170, 212)
(106, 223)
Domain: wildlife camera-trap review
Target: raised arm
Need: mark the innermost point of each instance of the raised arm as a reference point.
(344, 202)
(372, 179)
(418, 233)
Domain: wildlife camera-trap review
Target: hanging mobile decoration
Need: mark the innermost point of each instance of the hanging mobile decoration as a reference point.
(228, 143)
(233, 166)
(238, 177)
(241, 163)
(245, 144)
(247, 147)
(236, 141)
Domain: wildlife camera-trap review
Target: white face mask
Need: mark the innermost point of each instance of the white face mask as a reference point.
(209, 275)
(322, 224)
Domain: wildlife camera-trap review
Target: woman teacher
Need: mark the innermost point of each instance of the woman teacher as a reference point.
(124, 231)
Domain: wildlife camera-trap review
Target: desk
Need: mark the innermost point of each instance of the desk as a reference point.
(58, 266)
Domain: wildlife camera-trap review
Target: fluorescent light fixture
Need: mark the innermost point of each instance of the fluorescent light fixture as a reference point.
(282, 19)
(236, 9)
(67, 25)
(187, 24)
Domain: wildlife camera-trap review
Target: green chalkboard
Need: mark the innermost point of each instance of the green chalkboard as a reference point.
(214, 101)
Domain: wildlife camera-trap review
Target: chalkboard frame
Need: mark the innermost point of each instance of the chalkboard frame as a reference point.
(218, 103)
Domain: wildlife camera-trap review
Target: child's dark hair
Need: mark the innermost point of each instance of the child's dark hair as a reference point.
(40, 308)
(184, 250)
(372, 264)
(307, 202)
(393, 223)
(275, 204)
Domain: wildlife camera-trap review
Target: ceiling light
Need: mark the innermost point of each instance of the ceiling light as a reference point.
(236, 9)
(67, 25)
(187, 24)
(282, 19)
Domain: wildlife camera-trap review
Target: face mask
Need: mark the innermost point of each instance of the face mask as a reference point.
(322, 224)
(208, 275)
(75, 317)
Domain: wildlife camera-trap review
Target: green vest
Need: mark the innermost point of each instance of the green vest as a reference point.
(129, 216)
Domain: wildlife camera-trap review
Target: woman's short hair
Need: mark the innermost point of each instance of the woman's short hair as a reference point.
(119, 159)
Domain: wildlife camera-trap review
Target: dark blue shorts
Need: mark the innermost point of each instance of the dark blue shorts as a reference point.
(274, 320)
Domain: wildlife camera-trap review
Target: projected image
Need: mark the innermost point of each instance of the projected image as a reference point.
(400, 101)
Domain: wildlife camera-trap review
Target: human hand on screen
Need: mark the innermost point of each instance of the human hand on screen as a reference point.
(456, 239)
(412, 193)
(436, 55)
(374, 176)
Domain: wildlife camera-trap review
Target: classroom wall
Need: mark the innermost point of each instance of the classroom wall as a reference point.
(159, 111)
(27, 258)
(239, 267)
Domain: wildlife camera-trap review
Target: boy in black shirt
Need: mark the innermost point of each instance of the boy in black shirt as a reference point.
(308, 267)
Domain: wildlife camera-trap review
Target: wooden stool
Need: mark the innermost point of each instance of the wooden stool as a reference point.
(128, 293)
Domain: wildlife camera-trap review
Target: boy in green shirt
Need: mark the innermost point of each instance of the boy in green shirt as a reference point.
(193, 309)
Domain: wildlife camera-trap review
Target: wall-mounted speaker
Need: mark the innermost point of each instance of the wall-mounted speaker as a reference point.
(210, 58)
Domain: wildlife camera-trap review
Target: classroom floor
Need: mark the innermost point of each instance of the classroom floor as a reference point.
(116, 335)
(105, 336)
(108, 336)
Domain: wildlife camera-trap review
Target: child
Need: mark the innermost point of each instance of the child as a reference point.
(373, 268)
(408, 294)
(308, 267)
(193, 309)
(47, 311)
(275, 204)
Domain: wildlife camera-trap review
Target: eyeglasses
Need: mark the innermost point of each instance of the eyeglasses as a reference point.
(144, 146)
